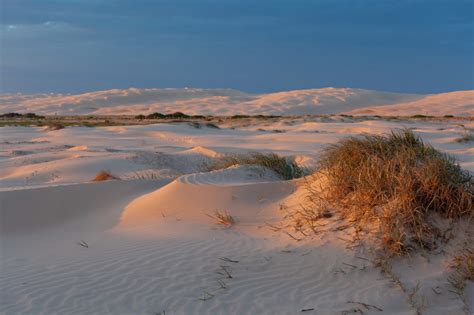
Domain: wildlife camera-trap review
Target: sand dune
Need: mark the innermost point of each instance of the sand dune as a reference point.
(239, 191)
(146, 244)
(230, 102)
(459, 103)
(234, 175)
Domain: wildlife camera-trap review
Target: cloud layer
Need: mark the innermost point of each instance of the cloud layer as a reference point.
(72, 45)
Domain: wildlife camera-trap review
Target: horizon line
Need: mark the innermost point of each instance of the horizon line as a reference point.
(229, 88)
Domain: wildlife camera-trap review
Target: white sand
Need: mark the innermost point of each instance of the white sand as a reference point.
(152, 246)
(230, 102)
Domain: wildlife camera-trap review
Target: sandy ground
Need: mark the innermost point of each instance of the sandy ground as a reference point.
(226, 102)
(149, 246)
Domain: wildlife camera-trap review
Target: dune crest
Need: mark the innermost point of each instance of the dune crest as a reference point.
(195, 196)
(196, 101)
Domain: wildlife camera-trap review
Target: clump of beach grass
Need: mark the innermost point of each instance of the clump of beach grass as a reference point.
(469, 137)
(223, 218)
(104, 175)
(286, 168)
(393, 186)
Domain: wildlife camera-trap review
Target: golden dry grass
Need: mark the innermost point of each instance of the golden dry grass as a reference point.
(392, 187)
(462, 265)
(223, 218)
(103, 176)
(463, 268)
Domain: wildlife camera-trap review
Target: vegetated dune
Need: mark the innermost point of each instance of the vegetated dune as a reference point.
(149, 243)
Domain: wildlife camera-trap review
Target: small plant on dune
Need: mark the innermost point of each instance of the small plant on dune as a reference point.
(223, 218)
(469, 137)
(284, 167)
(394, 186)
(103, 176)
(55, 126)
(462, 265)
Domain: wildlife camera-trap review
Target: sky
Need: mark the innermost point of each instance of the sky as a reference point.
(73, 46)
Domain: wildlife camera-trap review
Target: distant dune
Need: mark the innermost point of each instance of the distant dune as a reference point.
(230, 102)
(459, 103)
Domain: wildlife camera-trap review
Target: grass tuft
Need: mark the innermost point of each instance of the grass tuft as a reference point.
(103, 176)
(463, 266)
(287, 169)
(223, 218)
(55, 126)
(393, 186)
(466, 138)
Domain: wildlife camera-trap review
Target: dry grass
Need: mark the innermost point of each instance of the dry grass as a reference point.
(103, 176)
(462, 265)
(391, 187)
(469, 137)
(463, 269)
(223, 218)
(284, 167)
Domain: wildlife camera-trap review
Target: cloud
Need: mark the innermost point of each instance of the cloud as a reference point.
(250, 45)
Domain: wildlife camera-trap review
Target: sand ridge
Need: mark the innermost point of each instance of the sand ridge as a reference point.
(222, 102)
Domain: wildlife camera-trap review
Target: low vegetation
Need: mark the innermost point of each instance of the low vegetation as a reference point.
(199, 125)
(422, 116)
(176, 115)
(223, 218)
(55, 126)
(32, 119)
(17, 115)
(103, 176)
(462, 266)
(254, 116)
(469, 137)
(284, 167)
(393, 187)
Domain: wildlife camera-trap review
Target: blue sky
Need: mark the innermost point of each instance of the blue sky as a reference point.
(250, 45)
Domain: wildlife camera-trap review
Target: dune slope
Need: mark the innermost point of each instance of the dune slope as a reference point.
(222, 102)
